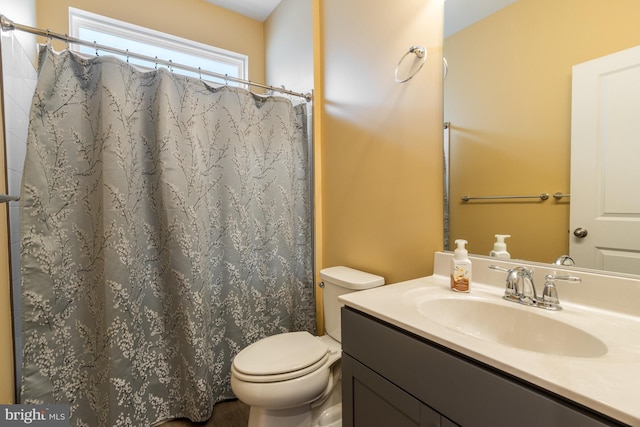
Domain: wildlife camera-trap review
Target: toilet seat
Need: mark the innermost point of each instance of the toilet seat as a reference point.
(280, 357)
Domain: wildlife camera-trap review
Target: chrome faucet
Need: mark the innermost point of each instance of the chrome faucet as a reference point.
(521, 289)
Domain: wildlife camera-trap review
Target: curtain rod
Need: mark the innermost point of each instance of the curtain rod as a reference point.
(9, 25)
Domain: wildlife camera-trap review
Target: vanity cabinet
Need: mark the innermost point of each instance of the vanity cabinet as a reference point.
(393, 378)
(375, 401)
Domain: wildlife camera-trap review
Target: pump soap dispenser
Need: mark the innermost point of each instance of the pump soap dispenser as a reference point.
(500, 247)
(460, 268)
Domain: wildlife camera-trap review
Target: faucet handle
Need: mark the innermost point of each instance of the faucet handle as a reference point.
(550, 296)
(497, 268)
(571, 279)
(550, 299)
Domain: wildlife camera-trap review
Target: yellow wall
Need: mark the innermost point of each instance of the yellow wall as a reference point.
(508, 97)
(381, 143)
(7, 391)
(191, 19)
(318, 100)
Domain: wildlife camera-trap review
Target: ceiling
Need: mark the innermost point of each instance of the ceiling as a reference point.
(458, 13)
(255, 9)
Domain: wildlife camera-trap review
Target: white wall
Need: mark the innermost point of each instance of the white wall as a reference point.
(19, 80)
(289, 46)
(22, 12)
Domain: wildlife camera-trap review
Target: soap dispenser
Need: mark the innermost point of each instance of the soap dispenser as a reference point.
(500, 247)
(460, 268)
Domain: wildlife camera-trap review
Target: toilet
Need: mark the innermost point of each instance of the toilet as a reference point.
(293, 379)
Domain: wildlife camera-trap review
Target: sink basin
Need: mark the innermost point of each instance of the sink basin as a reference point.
(517, 326)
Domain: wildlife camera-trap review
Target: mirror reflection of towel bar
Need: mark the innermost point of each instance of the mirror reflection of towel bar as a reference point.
(543, 196)
(560, 195)
(6, 198)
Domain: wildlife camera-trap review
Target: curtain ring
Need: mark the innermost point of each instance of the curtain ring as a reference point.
(226, 82)
(156, 66)
(170, 66)
(127, 56)
(421, 53)
(200, 73)
(95, 44)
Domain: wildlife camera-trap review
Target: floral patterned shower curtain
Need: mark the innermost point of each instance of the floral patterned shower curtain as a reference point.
(165, 225)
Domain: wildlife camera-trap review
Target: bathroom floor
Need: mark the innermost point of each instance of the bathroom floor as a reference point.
(232, 413)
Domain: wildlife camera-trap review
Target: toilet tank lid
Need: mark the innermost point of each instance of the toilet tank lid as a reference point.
(351, 278)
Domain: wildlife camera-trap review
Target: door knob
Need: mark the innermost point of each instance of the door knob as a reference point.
(580, 232)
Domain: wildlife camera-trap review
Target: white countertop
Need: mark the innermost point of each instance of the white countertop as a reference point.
(609, 384)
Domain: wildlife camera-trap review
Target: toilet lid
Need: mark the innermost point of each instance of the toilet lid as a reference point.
(281, 354)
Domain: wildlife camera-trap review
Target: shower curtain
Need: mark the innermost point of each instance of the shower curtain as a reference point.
(165, 225)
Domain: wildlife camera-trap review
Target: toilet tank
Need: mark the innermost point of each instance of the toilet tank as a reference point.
(338, 281)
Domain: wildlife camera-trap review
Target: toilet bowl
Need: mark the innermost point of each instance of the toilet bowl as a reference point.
(293, 379)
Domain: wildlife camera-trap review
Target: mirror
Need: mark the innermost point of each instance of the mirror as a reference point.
(507, 97)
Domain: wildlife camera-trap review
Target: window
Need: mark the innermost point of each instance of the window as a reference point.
(122, 35)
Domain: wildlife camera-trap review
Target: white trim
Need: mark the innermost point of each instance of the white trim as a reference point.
(79, 19)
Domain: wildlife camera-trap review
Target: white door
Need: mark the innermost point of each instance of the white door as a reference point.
(605, 163)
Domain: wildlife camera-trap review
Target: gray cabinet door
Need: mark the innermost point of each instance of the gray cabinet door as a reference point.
(369, 400)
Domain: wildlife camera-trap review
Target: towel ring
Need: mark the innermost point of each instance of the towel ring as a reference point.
(445, 68)
(421, 53)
